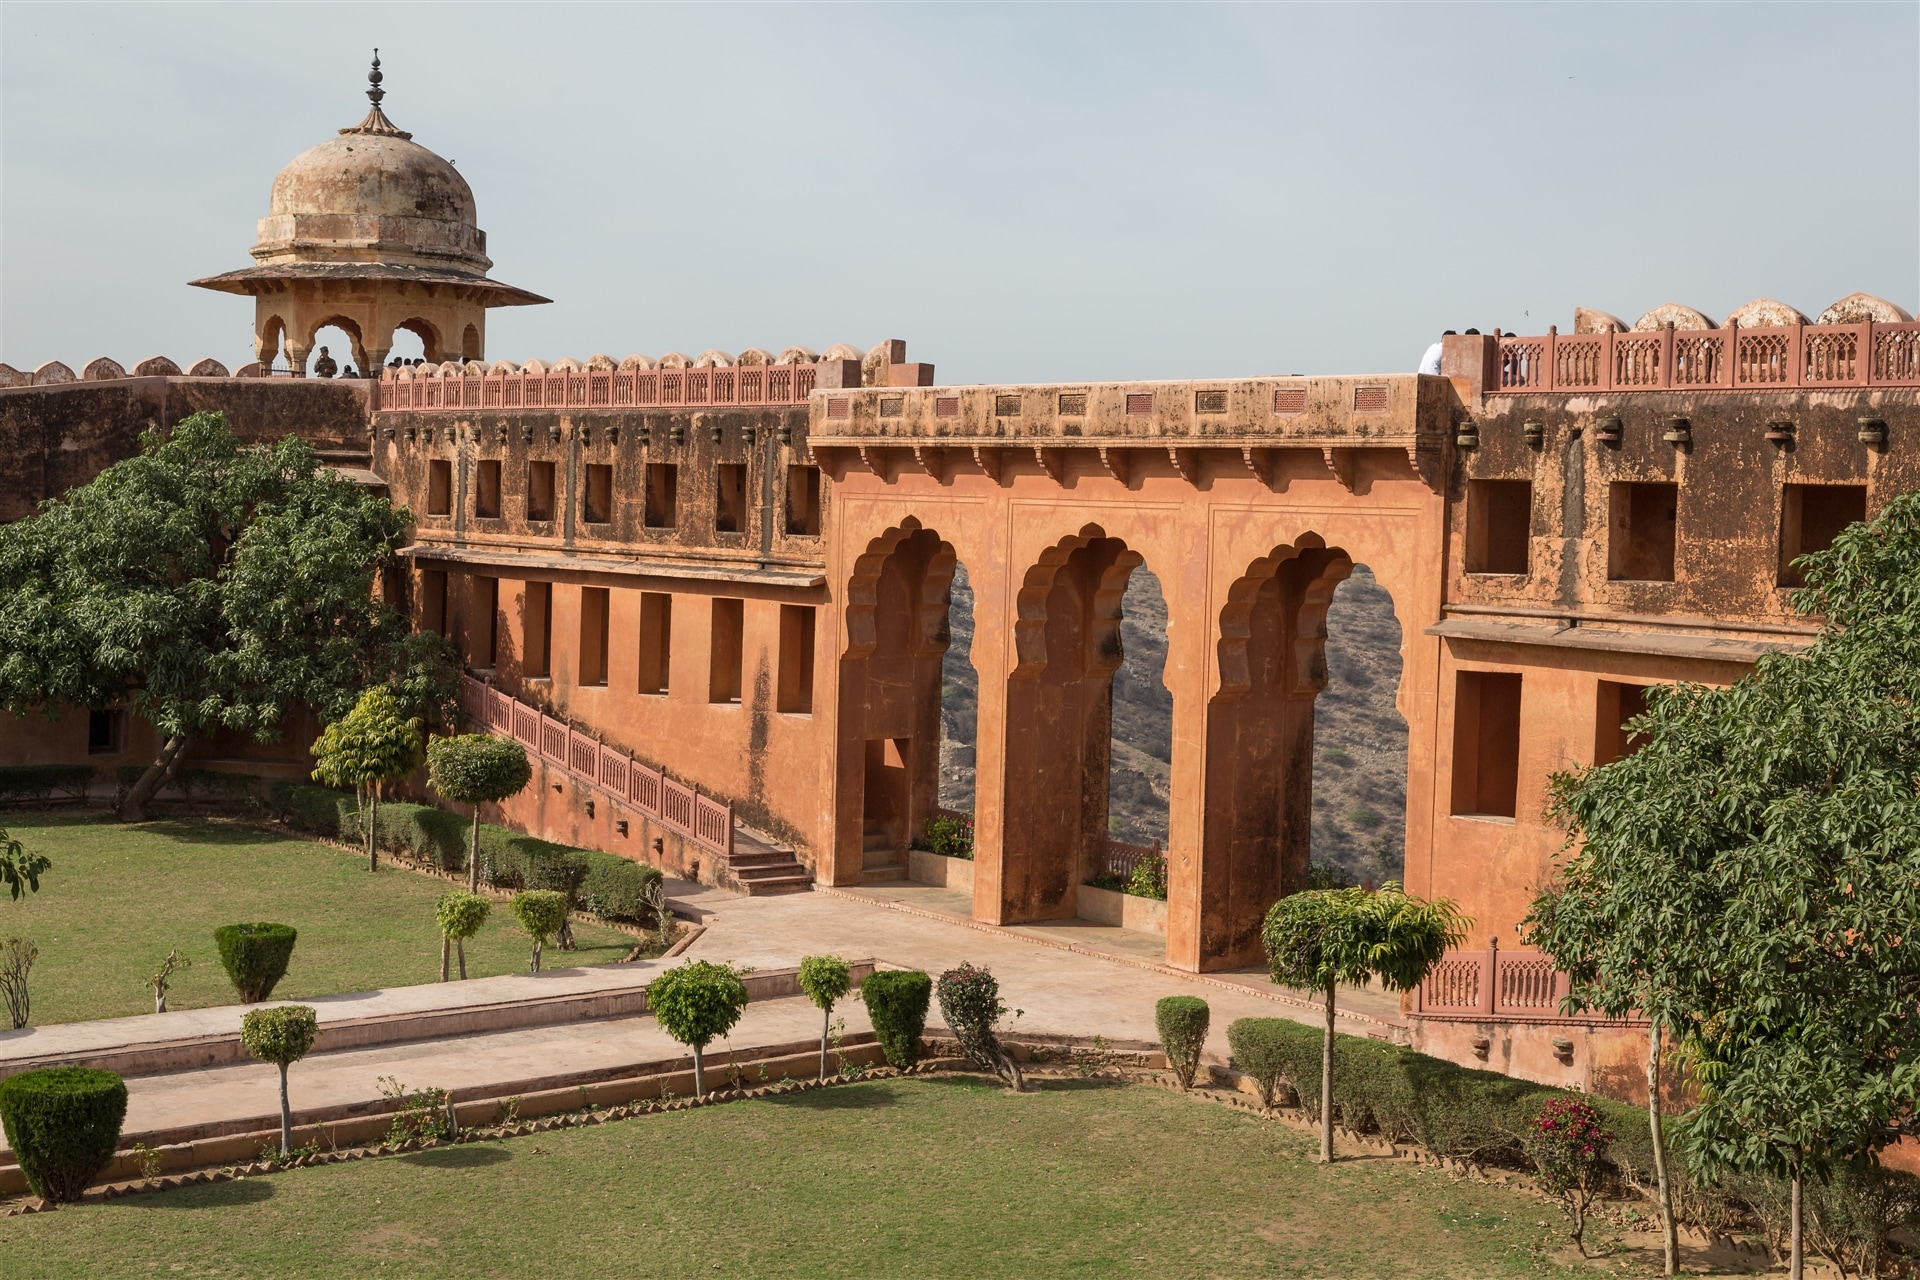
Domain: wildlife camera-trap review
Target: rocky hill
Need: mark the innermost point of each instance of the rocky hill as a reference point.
(1360, 739)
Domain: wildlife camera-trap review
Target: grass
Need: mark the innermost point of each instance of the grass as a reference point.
(120, 895)
(929, 1178)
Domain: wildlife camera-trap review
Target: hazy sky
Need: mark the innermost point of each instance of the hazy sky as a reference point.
(1021, 192)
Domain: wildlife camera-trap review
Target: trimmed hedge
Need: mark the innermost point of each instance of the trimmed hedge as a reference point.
(255, 956)
(63, 1124)
(610, 886)
(1182, 1024)
(1260, 1048)
(897, 1001)
(36, 784)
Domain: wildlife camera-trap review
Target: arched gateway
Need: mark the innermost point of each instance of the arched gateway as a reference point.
(1251, 500)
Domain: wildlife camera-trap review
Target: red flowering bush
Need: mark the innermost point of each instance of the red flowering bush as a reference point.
(1568, 1146)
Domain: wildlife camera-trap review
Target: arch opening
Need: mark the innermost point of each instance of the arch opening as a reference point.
(1257, 840)
(959, 700)
(345, 356)
(1359, 777)
(420, 331)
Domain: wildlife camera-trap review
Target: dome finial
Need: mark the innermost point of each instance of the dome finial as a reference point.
(376, 122)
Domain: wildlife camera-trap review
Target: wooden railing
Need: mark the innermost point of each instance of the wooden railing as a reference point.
(702, 819)
(771, 384)
(1791, 357)
(1495, 983)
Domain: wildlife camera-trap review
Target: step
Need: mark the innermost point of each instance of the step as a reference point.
(882, 874)
(765, 886)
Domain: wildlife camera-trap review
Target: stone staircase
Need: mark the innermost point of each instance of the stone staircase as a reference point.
(761, 865)
(881, 859)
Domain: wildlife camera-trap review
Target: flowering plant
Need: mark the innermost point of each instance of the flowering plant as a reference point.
(1568, 1145)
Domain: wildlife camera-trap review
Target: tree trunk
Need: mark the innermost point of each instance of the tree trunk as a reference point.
(473, 857)
(157, 776)
(826, 1025)
(446, 953)
(159, 999)
(373, 814)
(1796, 1255)
(460, 948)
(564, 939)
(536, 955)
(1669, 1235)
(699, 1074)
(286, 1117)
(1326, 1085)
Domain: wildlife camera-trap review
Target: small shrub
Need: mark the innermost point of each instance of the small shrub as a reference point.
(255, 956)
(37, 784)
(540, 913)
(16, 962)
(1149, 879)
(950, 836)
(1568, 1146)
(418, 1113)
(163, 977)
(824, 980)
(615, 888)
(1182, 1023)
(694, 1003)
(460, 915)
(281, 1035)
(426, 834)
(1259, 1048)
(971, 1005)
(897, 1001)
(63, 1124)
(322, 811)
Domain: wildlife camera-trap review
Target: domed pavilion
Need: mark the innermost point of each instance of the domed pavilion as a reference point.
(373, 233)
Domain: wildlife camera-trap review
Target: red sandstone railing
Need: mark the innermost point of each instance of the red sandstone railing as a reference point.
(702, 819)
(770, 384)
(1791, 357)
(1120, 859)
(1475, 986)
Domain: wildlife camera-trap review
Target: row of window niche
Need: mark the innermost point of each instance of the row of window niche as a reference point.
(1678, 432)
(661, 499)
(794, 694)
(1643, 523)
(1486, 737)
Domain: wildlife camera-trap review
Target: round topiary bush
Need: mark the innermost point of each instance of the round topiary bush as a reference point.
(255, 956)
(824, 980)
(474, 768)
(897, 1001)
(540, 912)
(63, 1124)
(695, 1002)
(1182, 1021)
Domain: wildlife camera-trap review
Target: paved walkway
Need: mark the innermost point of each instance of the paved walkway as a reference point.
(1059, 991)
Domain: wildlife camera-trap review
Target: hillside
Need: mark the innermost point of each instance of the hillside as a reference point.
(1360, 740)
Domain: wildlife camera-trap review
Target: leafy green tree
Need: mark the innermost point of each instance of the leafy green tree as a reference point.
(460, 916)
(203, 585)
(1320, 938)
(476, 769)
(541, 913)
(372, 745)
(281, 1035)
(1772, 830)
(824, 980)
(694, 1003)
(20, 870)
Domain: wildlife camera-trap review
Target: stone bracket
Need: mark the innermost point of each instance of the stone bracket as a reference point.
(1261, 462)
(1341, 463)
(1052, 461)
(1115, 461)
(1186, 462)
(987, 458)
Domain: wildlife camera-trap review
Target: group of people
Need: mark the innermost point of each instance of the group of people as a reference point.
(324, 366)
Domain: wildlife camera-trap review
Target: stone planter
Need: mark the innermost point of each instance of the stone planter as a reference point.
(931, 868)
(1104, 906)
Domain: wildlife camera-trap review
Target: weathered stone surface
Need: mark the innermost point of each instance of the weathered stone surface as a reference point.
(51, 374)
(156, 367)
(1764, 313)
(1672, 313)
(1587, 320)
(208, 368)
(101, 369)
(1859, 308)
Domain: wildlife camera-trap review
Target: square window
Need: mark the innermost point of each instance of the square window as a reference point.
(663, 494)
(539, 491)
(1642, 518)
(803, 501)
(103, 732)
(440, 487)
(730, 498)
(1499, 524)
(1615, 704)
(599, 493)
(1811, 517)
(486, 489)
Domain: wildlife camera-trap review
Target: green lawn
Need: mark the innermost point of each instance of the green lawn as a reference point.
(924, 1178)
(119, 896)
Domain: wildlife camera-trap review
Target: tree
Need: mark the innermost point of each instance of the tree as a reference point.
(207, 585)
(540, 912)
(460, 916)
(825, 979)
(971, 1004)
(475, 769)
(281, 1035)
(1320, 938)
(370, 746)
(20, 870)
(1779, 819)
(694, 1003)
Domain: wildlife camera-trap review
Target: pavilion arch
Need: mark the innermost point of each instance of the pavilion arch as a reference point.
(432, 351)
(346, 325)
(1259, 744)
(470, 345)
(272, 335)
(888, 764)
(1059, 722)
